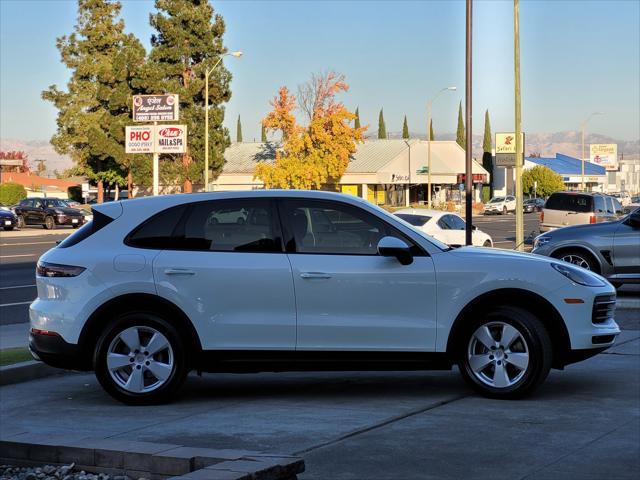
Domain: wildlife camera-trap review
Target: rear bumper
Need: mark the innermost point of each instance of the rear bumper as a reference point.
(54, 351)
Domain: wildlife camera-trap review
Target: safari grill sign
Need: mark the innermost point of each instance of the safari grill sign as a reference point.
(506, 149)
(155, 108)
(171, 138)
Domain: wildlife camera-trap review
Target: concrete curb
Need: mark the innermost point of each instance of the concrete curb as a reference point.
(25, 371)
(627, 303)
(151, 460)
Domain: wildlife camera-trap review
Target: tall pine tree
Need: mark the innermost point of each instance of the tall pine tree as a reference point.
(239, 131)
(460, 135)
(263, 133)
(105, 66)
(187, 43)
(487, 146)
(432, 137)
(356, 124)
(405, 128)
(382, 128)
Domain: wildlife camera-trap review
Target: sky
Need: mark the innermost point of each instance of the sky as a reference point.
(577, 57)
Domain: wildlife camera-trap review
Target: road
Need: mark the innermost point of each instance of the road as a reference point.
(18, 257)
(502, 228)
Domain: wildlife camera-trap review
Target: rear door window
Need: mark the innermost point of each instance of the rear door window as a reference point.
(599, 205)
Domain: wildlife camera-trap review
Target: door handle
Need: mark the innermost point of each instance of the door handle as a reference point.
(179, 271)
(317, 275)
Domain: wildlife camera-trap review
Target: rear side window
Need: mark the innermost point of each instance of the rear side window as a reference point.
(99, 221)
(570, 202)
(415, 220)
(157, 232)
(598, 203)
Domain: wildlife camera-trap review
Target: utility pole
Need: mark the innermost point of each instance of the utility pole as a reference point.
(519, 157)
(468, 179)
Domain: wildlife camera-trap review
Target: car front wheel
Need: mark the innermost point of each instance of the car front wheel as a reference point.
(21, 223)
(141, 359)
(506, 353)
(49, 223)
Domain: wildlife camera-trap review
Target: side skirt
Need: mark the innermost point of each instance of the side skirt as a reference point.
(248, 361)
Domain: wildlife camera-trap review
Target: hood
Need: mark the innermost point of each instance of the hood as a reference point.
(499, 254)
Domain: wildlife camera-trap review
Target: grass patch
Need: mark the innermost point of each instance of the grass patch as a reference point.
(9, 356)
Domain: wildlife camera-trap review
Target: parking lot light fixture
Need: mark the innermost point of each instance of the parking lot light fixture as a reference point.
(429, 105)
(583, 127)
(208, 72)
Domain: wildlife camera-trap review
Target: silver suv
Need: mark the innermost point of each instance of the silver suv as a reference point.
(576, 208)
(611, 249)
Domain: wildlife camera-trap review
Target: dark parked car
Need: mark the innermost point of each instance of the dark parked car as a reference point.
(533, 205)
(48, 212)
(8, 220)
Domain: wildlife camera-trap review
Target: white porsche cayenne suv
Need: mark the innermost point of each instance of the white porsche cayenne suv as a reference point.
(298, 281)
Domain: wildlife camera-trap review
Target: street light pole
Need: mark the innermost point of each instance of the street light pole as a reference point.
(583, 127)
(237, 54)
(429, 105)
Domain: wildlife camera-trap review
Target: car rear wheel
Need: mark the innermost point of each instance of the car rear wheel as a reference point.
(487, 243)
(21, 221)
(49, 223)
(141, 359)
(506, 353)
(579, 258)
(504, 210)
(8, 229)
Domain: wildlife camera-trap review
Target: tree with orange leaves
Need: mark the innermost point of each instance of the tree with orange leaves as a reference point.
(316, 155)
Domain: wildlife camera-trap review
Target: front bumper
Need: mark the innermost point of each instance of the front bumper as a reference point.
(68, 220)
(8, 223)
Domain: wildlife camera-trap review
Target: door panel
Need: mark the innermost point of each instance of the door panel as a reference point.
(364, 303)
(347, 296)
(626, 250)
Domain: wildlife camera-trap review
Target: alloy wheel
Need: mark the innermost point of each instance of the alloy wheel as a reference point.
(140, 359)
(20, 221)
(49, 223)
(576, 260)
(498, 354)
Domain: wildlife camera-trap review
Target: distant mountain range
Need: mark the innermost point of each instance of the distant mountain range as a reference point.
(546, 144)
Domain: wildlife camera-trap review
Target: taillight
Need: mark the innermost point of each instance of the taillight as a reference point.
(592, 219)
(45, 269)
(541, 216)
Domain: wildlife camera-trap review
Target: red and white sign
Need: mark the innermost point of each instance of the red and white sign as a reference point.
(139, 139)
(171, 138)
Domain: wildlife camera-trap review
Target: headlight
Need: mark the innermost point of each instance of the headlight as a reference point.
(541, 240)
(578, 275)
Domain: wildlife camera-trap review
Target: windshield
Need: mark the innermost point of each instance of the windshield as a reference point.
(415, 220)
(55, 203)
(496, 200)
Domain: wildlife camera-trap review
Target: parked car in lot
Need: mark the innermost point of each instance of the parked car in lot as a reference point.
(533, 205)
(611, 249)
(501, 205)
(576, 208)
(447, 227)
(289, 280)
(623, 197)
(48, 212)
(635, 203)
(8, 220)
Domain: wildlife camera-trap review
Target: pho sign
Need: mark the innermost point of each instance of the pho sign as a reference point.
(506, 149)
(155, 108)
(139, 139)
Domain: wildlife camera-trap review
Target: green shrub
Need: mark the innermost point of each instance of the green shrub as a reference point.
(11, 193)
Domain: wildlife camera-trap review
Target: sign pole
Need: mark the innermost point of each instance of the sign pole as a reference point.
(519, 146)
(469, 137)
(156, 165)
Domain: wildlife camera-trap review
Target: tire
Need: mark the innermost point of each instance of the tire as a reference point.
(8, 229)
(487, 243)
(76, 226)
(157, 384)
(504, 210)
(493, 374)
(579, 258)
(49, 223)
(21, 223)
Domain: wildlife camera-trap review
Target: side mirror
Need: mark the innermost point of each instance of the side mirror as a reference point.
(633, 220)
(394, 247)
